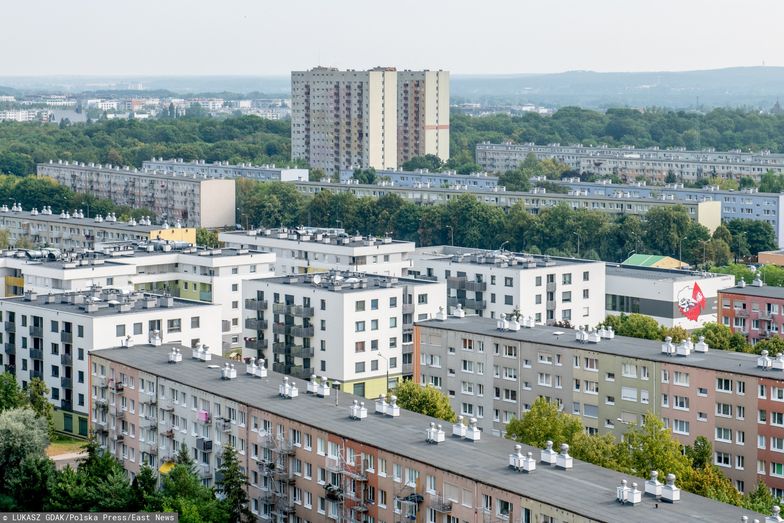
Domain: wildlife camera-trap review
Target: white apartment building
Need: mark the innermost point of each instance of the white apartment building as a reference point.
(227, 170)
(674, 298)
(316, 250)
(49, 337)
(74, 231)
(183, 271)
(422, 114)
(548, 290)
(352, 327)
(195, 201)
(630, 162)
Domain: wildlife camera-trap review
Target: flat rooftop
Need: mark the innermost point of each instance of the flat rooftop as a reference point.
(766, 291)
(587, 490)
(112, 170)
(101, 302)
(717, 360)
(657, 274)
(345, 281)
(488, 257)
(333, 237)
(81, 222)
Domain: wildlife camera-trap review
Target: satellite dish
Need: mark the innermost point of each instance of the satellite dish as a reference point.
(316, 279)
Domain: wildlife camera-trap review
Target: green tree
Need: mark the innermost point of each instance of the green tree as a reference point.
(544, 422)
(23, 434)
(11, 395)
(144, 490)
(431, 162)
(38, 399)
(207, 238)
(700, 453)
(31, 482)
(424, 400)
(183, 492)
(774, 345)
(637, 326)
(760, 499)
(316, 175)
(652, 447)
(232, 488)
(184, 458)
(676, 333)
(720, 337)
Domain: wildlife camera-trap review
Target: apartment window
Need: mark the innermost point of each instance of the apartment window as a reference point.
(586, 294)
(393, 302)
(591, 364)
(359, 346)
(723, 459)
(359, 326)
(586, 276)
(508, 282)
(174, 325)
(681, 402)
(629, 371)
(680, 426)
(374, 325)
(566, 296)
(723, 434)
(120, 330)
(724, 410)
(137, 327)
(681, 378)
(359, 306)
(393, 322)
(740, 387)
(374, 304)
(195, 322)
(724, 385)
(422, 299)
(359, 367)
(566, 278)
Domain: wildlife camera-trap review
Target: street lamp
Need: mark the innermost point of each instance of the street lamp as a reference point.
(501, 248)
(339, 223)
(680, 245)
(386, 362)
(633, 251)
(578, 243)
(451, 235)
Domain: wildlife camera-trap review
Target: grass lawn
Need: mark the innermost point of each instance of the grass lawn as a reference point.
(64, 445)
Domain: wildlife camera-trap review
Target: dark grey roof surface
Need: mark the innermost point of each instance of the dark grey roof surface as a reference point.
(719, 360)
(766, 291)
(587, 490)
(104, 308)
(652, 273)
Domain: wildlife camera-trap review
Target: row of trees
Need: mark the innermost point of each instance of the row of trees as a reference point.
(130, 142)
(468, 222)
(29, 480)
(642, 449)
(717, 336)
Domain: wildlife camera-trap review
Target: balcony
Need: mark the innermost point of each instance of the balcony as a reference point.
(10, 326)
(37, 354)
(440, 504)
(298, 351)
(256, 305)
(279, 308)
(36, 331)
(456, 282)
(258, 344)
(280, 348)
(205, 471)
(66, 382)
(205, 296)
(281, 368)
(151, 448)
(300, 311)
(550, 304)
(223, 424)
(408, 308)
(118, 387)
(302, 332)
(279, 328)
(298, 371)
(476, 286)
(451, 301)
(66, 337)
(66, 359)
(10, 349)
(408, 369)
(741, 312)
(255, 324)
(66, 404)
(550, 286)
(204, 445)
(36, 374)
(476, 305)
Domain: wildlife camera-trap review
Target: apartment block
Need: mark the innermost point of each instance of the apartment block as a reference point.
(268, 173)
(707, 213)
(629, 162)
(426, 179)
(755, 310)
(747, 204)
(543, 289)
(672, 297)
(352, 327)
(75, 231)
(196, 201)
(49, 336)
(308, 249)
(319, 457)
(495, 370)
(344, 119)
(422, 114)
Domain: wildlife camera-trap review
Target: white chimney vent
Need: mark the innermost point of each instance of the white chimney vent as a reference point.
(228, 372)
(764, 362)
(671, 493)
(548, 455)
(459, 428)
(653, 486)
(435, 434)
(256, 370)
(667, 347)
(625, 494)
(564, 460)
(357, 411)
(701, 346)
(288, 389)
(775, 517)
(175, 356)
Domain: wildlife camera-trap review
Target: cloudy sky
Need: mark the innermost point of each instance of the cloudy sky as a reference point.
(265, 37)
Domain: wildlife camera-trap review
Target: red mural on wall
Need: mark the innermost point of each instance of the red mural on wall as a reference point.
(691, 304)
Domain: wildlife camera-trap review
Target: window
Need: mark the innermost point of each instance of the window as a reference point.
(359, 306)
(393, 321)
(174, 325)
(120, 330)
(723, 434)
(591, 364)
(724, 385)
(374, 325)
(724, 410)
(359, 346)
(681, 402)
(566, 296)
(194, 322)
(360, 325)
(468, 366)
(374, 304)
(508, 282)
(422, 299)
(680, 427)
(359, 367)
(723, 459)
(777, 418)
(566, 278)
(629, 393)
(681, 378)
(629, 370)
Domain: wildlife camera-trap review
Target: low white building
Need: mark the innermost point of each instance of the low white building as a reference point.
(308, 249)
(49, 336)
(547, 289)
(227, 170)
(672, 297)
(208, 275)
(352, 327)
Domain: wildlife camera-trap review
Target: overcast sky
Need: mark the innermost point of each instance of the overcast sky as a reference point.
(263, 37)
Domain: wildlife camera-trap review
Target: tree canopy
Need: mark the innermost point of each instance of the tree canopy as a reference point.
(424, 400)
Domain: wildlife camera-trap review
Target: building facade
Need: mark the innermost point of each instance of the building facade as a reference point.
(495, 374)
(50, 336)
(422, 114)
(307, 249)
(672, 297)
(227, 170)
(309, 458)
(754, 310)
(195, 201)
(424, 178)
(74, 231)
(629, 162)
(344, 119)
(351, 327)
(707, 213)
(491, 283)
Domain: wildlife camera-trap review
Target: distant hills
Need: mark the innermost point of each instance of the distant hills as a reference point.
(755, 87)
(751, 87)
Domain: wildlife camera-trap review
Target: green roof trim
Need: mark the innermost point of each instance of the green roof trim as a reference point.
(644, 260)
